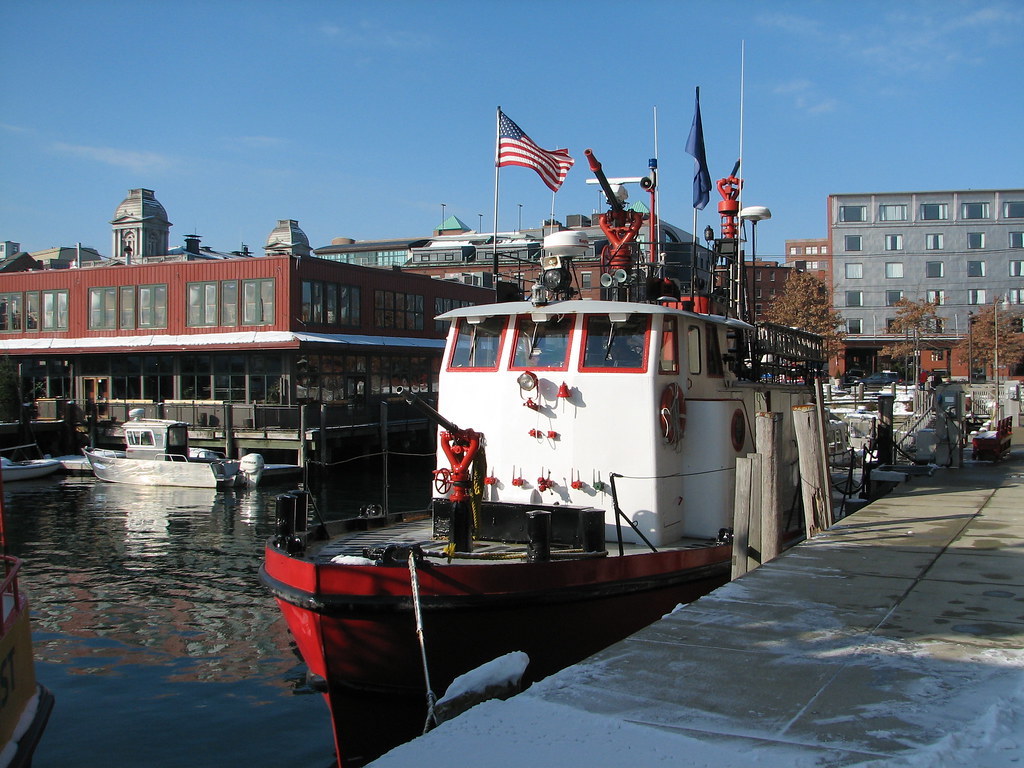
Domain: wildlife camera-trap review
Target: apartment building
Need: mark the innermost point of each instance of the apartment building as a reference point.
(959, 249)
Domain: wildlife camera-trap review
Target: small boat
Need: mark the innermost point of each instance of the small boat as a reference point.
(25, 705)
(587, 469)
(157, 453)
(26, 470)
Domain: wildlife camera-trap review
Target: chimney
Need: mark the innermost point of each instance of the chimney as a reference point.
(192, 244)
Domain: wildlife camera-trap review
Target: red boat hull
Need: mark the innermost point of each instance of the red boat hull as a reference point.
(355, 624)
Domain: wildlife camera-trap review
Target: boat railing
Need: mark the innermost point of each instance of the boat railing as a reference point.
(786, 355)
(170, 457)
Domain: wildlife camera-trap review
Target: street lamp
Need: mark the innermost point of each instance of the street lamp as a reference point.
(520, 217)
(754, 214)
(995, 323)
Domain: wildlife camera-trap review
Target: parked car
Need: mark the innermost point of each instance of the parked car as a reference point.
(852, 376)
(881, 379)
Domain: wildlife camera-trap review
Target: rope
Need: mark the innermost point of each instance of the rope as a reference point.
(431, 720)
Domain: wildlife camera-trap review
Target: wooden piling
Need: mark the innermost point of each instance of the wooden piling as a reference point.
(768, 441)
(815, 495)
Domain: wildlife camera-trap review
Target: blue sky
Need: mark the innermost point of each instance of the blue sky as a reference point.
(360, 119)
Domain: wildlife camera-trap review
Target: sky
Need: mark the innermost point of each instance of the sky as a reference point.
(371, 120)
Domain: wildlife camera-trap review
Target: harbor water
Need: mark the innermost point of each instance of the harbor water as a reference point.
(151, 628)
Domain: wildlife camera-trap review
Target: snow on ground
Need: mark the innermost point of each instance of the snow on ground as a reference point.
(530, 730)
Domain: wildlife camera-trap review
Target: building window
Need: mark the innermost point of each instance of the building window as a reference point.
(32, 311)
(1015, 296)
(10, 311)
(894, 242)
(937, 297)
(55, 310)
(586, 281)
(1017, 239)
(1013, 210)
(854, 325)
(793, 250)
(152, 306)
(976, 296)
(974, 210)
(934, 211)
(892, 297)
(975, 239)
(975, 268)
(853, 213)
(202, 305)
(398, 310)
(934, 269)
(892, 213)
(229, 302)
(854, 298)
(894, 269)
(933, 242)
(1016, 268)
(258, 302)
(853, 242)
(102, 309)
(890, 325)
(127, 307)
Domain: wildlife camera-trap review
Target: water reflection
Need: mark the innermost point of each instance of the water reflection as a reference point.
(146, 601)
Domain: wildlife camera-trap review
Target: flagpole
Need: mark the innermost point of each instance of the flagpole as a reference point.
(497, 168)
(656, 213)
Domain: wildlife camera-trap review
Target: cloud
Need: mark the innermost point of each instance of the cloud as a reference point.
(138, 161)
(806, 98)
(366, 34)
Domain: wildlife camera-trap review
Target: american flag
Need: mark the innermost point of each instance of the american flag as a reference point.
(516, 148)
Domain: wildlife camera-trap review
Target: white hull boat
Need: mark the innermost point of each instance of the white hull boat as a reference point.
(26, 470)
(157, 453)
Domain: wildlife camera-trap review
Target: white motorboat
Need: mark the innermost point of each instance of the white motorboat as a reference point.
(157, 453)
(26, 470)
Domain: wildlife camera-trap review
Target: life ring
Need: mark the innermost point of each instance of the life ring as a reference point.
(738, 430)
(672, 414)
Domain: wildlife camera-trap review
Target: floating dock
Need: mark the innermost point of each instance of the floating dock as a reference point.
(894, 638)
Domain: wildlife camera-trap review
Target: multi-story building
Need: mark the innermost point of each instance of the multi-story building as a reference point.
(959, 249)
(765, 280)
(158, 324)
(811, 255)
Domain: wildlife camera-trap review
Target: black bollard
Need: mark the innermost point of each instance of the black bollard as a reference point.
(538, 529)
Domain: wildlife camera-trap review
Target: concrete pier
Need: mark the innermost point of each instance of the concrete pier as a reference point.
(894, 638)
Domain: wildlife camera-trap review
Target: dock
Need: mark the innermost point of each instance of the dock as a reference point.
(896, 637)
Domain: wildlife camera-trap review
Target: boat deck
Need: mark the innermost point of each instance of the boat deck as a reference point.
(419, 532)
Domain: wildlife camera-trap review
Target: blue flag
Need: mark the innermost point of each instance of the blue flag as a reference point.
(695, 147)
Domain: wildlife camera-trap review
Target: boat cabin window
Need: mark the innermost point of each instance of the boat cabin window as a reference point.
(139, 437)
(668, 359)
(715, 367)
(177, 436)
(616, 344)
(693, 348)
(477, 345)
(542, 344)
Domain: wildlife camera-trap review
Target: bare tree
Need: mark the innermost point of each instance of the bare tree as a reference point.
(805, 303)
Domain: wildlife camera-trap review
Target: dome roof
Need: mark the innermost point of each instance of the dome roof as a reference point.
(286, 237)
(140, 204)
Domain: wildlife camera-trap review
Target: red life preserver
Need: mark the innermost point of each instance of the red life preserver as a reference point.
(672, 414)
(738, 430)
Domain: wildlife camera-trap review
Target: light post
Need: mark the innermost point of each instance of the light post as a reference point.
(754, 214)
(995, 367)
(520, 217)
(970, 348)
(442, 216)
